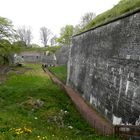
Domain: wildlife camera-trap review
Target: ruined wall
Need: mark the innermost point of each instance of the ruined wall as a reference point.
(104, 67)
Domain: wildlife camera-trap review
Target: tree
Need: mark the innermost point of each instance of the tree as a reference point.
(25, 35)
(28, 36)
(53, 40)
(6, 51)
(66, 35)
(19, 44)
(45, 35)
(6, 29)
(35, 45)
(87, 18)
(7, 35)
(77, 29)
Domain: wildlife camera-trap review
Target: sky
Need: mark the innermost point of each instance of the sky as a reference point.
(53, 14)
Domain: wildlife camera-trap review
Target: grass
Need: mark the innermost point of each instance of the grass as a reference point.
(60, 72)
(33, 108)
(122, 7)
(43, 49)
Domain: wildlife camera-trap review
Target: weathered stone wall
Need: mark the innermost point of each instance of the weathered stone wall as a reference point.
(37, 57)
(49, 60)
(104, 67)
(32, 59)
(31, 56)
(62, 55)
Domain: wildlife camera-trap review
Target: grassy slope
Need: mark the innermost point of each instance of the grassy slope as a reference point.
(60, 72)
(43, 49)
(57, 119)
(122, 7)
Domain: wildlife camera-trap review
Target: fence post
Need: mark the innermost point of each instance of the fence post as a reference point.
(116, 130)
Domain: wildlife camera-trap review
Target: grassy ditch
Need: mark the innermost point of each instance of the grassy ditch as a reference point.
(33, 108)
(60, 72)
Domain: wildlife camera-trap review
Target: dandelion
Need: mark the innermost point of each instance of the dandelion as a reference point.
(19, 131)
(27, 130)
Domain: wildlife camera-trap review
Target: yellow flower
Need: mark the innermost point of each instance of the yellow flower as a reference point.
(22, 130)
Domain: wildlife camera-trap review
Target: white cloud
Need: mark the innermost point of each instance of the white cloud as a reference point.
(53, 14)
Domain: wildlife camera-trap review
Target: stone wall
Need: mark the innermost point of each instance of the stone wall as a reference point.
(104, 67)
(49, 60)
(62, 55)
(38, 57)
(31, 56)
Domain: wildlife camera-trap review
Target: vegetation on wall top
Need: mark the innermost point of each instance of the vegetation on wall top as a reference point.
(122, 7)
(42, 49)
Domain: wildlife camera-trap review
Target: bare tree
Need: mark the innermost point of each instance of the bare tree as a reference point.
(28, 36)
(45, 35)
(25, 35)
(77, 29)
(87, 18)
(53, 40)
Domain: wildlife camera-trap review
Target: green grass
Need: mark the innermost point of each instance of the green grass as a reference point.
(122, 7)
(60, 72)
(55, 119)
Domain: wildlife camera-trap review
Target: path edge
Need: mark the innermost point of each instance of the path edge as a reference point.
(94, 118)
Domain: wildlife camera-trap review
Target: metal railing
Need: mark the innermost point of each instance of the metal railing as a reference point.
(128, 131)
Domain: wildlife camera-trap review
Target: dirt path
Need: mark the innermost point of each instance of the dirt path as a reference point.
(89, 113)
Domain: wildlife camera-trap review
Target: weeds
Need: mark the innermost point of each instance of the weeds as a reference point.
(33, 108)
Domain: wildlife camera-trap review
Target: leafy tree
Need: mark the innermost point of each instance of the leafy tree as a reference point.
(6, 29)
(19, 44)
(5, 51)
(45, 35)
(66, 35)
(7, 35)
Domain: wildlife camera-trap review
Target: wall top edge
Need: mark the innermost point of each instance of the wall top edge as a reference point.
(137, 10)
